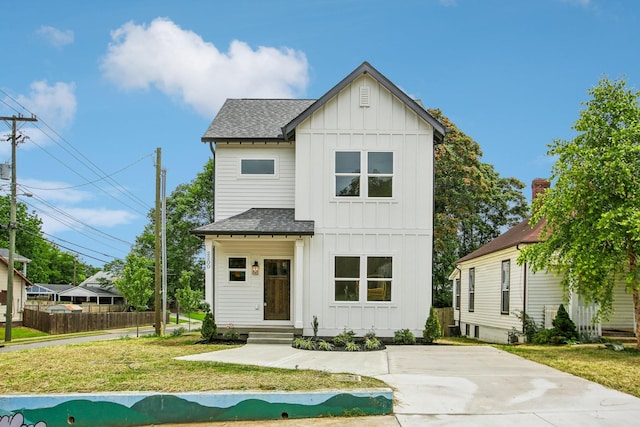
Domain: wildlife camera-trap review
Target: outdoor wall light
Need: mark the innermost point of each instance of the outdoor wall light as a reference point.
(255, 268)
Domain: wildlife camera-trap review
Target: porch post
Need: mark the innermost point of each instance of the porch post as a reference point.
(208, 273)
(298, 277)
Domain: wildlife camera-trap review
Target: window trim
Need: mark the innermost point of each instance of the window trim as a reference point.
(362, 280)
(260, 175)
(472, 289)
(364, 176)
(235, 269)
(505, 290)
(456, 290)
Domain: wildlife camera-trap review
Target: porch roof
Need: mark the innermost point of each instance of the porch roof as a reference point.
(259, 222)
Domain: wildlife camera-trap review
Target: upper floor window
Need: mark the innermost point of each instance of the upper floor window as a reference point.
(505, 286)
(472, 288)
(379, 174)
(258, 166)
(377, 272)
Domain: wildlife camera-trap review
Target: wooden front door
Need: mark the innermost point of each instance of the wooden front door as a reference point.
(276, 289)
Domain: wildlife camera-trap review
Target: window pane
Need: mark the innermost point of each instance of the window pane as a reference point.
(378, 290)
(347, 162)
(380, 186)
(347, 266)
(237, 276)
(346, 290)
(258, 167)
(379, 267)
(380, 163)
(237, 263)
(347, 185)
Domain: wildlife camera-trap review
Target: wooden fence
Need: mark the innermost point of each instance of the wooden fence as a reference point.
(67, 323)
(445, 316)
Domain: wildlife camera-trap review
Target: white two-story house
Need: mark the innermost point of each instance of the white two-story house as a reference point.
(323, 208)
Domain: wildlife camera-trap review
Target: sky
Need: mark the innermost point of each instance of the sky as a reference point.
(110, 82)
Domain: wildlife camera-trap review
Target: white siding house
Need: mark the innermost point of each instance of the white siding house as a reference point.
(323, 208)
(491, 291)
(19, 291)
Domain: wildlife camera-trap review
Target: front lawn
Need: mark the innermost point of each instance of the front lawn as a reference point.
(20, 332)
(619, 370)
(147, 364)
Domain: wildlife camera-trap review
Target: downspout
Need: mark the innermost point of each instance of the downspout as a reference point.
(213, 247)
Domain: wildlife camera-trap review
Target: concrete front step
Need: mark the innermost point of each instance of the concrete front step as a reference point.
(270, 338)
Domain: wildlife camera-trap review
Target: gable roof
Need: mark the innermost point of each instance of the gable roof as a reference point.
(4, 253)
(16, 272)
(259, 221)
(366, 68)
(277, 119)
(521, 233)
(258, 119)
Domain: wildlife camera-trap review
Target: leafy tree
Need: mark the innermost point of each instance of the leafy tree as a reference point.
(189, 206)
(473, 204)
(188, 299)
(136, 282)
(592, 231)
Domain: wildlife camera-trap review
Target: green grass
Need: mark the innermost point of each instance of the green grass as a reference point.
(19, 333)
(196, 315)
(619, 370)
(148, 364)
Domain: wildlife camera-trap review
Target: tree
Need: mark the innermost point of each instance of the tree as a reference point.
(473, 204)
(592, 231)
(189, 206)
(432, 329)
(188, 299)
(136, 282)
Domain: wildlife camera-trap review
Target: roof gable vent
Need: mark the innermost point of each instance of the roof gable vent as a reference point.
(364, 96)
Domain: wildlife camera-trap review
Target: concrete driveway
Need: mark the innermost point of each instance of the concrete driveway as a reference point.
(459, 386)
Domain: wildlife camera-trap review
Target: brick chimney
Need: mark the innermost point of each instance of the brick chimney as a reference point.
(539, 186)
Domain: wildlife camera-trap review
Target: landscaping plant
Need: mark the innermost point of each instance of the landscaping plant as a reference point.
(404, 337)
(209, 331)
(432, 329)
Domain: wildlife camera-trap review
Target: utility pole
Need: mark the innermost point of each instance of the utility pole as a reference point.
(158, 279)
(12, 221)
(164, 251)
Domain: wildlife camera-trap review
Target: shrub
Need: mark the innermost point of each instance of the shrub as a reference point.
(324, 345)
(209, 331)
(351, 346)
(432, 330)
(370, 334)
(178, 331)
(344, 337)
(314, 326)
(298, 343)
(371, 343)
(230, 333)
(404, 336)
(564, 325)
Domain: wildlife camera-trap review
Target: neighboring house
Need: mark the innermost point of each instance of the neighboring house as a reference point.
(490, 290)
(20, 283)
(97, 289)
(323, 208)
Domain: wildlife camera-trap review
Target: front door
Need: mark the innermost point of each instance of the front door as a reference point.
(276, 289)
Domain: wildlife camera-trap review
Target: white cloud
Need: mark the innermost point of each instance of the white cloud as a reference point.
(181, 64)
(99, 218)
(55, 104)
(56, 37)
(54, 191)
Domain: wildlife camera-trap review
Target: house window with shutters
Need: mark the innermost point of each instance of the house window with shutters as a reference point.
(505, 286)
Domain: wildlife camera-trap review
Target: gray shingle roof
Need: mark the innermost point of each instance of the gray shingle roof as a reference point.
(259, 221)
(254, 118)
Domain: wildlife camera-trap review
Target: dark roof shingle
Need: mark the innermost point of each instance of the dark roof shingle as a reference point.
(259, 221)
(254, 118)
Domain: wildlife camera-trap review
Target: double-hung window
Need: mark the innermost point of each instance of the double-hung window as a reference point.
(505, 286)
(237, 269)
(375, 271)
(456, 290)
(472, 289)
(350, 180)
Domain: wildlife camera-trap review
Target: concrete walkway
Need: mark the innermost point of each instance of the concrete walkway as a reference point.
(457, 386)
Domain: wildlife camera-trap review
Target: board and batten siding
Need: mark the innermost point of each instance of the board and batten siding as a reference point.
(493, 325)
(236, 193)
(242, 303)
(399, 226)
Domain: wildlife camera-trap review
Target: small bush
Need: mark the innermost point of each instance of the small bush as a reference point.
(314, 326)
(209, 330)
(178, 332)
(432, 329)
(370, 334)
(230, 333)
(344, 337)
(298, 342)
(324, 345)
(404, 336)
(564, 325)
(351, 346)
(371, 343)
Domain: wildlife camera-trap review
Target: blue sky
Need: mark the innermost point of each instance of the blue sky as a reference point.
(112, 81)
